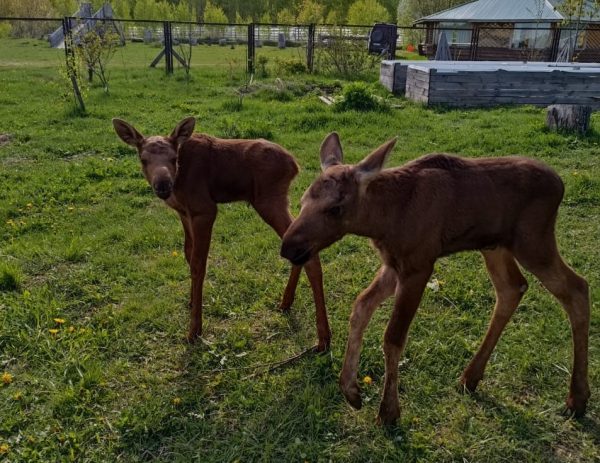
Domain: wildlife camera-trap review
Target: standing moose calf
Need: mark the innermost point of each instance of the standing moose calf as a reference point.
(432, 207)
(193, 173)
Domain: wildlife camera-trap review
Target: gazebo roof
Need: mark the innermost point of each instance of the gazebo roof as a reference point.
(546, 11)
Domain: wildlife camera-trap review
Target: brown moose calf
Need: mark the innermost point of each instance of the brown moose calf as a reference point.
(431, 207)
(193, 173)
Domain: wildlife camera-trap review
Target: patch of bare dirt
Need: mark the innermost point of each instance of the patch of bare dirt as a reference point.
(5, 139)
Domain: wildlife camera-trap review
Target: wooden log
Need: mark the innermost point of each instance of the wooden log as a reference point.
(570, 118)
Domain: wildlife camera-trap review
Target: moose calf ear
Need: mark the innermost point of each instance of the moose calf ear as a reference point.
(127, 132)
(184, 130)
(331, 151)
(373, 163)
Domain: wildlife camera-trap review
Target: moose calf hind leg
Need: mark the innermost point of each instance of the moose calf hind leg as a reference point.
(275, 212)
(315, 278)
(290, 289)
(510, 286)
(573, 293)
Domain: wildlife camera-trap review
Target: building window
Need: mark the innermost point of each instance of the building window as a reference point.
(456, 33)
(531, 35)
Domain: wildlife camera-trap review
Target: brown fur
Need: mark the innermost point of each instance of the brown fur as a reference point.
(431, 207)
(193, 173)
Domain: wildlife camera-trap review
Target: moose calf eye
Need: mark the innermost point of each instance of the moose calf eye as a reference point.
(334, 211)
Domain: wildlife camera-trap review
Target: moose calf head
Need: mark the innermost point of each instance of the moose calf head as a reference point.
(331, 206)
(158, 154)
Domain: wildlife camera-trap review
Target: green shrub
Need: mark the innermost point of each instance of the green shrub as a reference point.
(358, 97)
(290, 66)
(10, 277)
(5, 29)
(262, 66)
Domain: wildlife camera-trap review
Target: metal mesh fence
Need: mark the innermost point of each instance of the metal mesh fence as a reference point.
(273, 49)
(23, 44)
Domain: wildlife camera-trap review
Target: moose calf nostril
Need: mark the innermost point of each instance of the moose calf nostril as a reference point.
(163, 189)
(297, 255)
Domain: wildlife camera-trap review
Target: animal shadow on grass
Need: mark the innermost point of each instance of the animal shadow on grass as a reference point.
(530, 430)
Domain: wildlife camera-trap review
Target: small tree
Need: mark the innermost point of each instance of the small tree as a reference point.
(185, 51)
(64, 7)
(575, 11)
(334, 17)
(345, 58)
(241, 20)
(285, 16)
(71, 73)
(367, 12)
(146, 9)
(96, 50)
(183, 12)
(310, 12)
(214, 14)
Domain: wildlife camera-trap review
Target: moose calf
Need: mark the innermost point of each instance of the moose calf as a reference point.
(432, 207)
(192, 173)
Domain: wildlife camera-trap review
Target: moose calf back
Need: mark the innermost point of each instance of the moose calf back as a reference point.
(235, 170)
(449, 204)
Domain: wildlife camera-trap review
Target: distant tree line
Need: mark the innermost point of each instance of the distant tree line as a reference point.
(243, 11)
(404, 12)
(232, 11)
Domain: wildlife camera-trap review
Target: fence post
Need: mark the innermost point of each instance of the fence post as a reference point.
(474, 42)
(555, 43)
(168, 37)
(392, 50)
(251, 49)
(310, 49)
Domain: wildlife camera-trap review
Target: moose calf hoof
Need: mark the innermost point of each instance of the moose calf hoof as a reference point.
(387, 415)
(576, 406)
(324, 344)
(467, 384)
(351, 392)
(285, 308)
(193, 336)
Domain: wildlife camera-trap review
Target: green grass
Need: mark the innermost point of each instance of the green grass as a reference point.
(82, 239)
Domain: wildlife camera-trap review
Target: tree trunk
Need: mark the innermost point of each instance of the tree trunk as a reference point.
(570, 118)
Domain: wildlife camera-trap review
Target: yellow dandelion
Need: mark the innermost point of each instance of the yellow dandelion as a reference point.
(174, 253)
(71, 329)
(60, 321)
(53, 331)
(4, 448)
(7, 378)
(367, 380)
(177, 401)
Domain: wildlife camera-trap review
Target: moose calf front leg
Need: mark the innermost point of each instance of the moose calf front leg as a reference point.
(408, 296)
(380, 289)
(187, 247)
(201, 230)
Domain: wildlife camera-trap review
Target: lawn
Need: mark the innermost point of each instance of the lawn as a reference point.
(94, 285)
